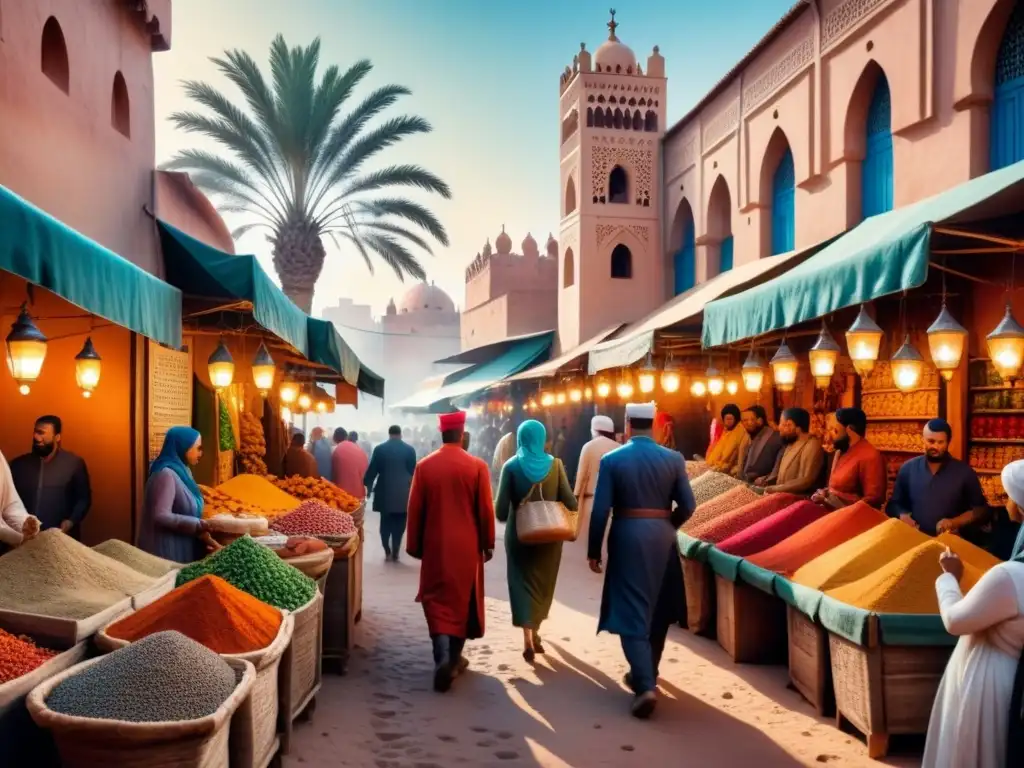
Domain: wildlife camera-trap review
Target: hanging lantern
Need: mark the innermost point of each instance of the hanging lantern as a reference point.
(321, 406)
(588, 393)
(547, 399)
(289, 392)
(645, 379)
(946, 341)
(26, 351)
(576, 393)
(864, 338)
(823, 356)
(560, 397)
(531, 405)
(698, 388)
(732, 386)
(716, 384)
(1006, 346)
(88, 365)
(624, 389)
(603, 388)
(784, 369)
(304, 402)
(670, 377)
(263, 370)
(753, 372)
(907, 366)
(221, 367)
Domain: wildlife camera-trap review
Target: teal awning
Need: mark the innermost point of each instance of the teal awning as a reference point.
(202, 271)
(45, 252)
(511, 359)
(883, 255)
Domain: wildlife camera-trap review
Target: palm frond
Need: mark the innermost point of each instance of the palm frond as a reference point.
(360, 248)
(242, 70)
(331, 97)
(377, 140)
(408, 210)
(393, 253)
(233, 128)
(200, 160)
(238, 232)
(394, 229)
(399, 176)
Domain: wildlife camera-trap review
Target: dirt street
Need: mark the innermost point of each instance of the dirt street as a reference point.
(569, 710)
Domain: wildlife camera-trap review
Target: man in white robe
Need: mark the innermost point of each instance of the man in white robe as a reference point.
(602, 429)
(16, 524)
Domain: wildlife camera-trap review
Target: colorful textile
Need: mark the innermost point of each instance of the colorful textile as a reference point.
(731, 523)
(534, 463)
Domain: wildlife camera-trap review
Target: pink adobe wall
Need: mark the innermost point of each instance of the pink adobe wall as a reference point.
(60, 150)
(809, 88)
(180, 203)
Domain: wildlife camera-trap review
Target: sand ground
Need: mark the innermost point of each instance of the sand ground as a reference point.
(569, 710)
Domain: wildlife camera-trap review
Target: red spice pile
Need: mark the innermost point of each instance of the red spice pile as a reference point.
(314, 518)
(19, 656)
(719, 505)
(730, 523)
(772, 530)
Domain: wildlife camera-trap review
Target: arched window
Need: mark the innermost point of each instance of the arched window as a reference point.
(622, 263)
(638, 122)
(686, 256)
(719, 223)
(599, 118)
(651, 121)
(568, 269)
(590, 117)
(54, 62)
(1006, 142)
(876, 170)
(784, 205)
(570, 196)
(617, 118)
(120, 107)
(618, 185)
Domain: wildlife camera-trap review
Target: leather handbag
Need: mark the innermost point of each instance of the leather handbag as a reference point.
(544, 522)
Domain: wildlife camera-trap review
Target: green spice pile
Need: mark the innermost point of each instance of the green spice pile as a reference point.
(164, 677)
(54, 575)
(257, 570)
(135, 558)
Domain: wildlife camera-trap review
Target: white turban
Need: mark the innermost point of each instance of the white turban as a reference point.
(640, 411)
(1013, 482)
(602, 424)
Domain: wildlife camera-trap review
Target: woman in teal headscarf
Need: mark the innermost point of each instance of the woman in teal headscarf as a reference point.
(532, 568)
(172, 521)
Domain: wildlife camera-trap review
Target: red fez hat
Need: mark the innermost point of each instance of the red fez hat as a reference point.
(450, 421)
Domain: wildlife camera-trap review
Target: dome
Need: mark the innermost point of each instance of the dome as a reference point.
(423, 297)
(552, 245)
(503, 243)
(530, 246)
(613, 54)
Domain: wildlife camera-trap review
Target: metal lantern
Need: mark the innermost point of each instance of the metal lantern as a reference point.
(304, 401)
(946, 341)
(603, 389)
(646, 378)
(1006, 346)
(588, 393)
(624, 389)
(784, 369)
(823, 356)
(716, 384)
(907, 367)
(221, 367)
(263, 370)
(864, 338)
(88, 366)
(560, 398)
(732, 386)
(575, 393)
(698, 388)
(26, 351)
(547, 399)
(753, 372)
(670, 377)
(289, 392)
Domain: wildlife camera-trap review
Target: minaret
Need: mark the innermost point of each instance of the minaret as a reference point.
(611, 268)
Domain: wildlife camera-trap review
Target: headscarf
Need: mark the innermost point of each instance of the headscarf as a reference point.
(1013, 484)
(534, 462)
(177, 442)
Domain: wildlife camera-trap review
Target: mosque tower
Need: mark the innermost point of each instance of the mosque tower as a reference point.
(611, 267)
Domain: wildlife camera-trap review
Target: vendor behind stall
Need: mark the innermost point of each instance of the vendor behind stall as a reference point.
(724, 455)
(798, 466)
(935, 492)
(16, 524)
(298, 462)
(759, 454)
(858, 468)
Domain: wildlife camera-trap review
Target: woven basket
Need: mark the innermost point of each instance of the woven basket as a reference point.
(86, 743)
(254, 726)
(544, 522)
(300, 667)
(314, 565)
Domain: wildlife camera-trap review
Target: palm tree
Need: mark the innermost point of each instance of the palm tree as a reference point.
(296, 164)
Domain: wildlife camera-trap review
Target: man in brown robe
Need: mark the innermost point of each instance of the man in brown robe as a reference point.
(298, 462)
(451, 530)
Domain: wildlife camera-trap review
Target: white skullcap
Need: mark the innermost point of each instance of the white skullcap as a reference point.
(640, 411)
(602, 424)
(1013, 482)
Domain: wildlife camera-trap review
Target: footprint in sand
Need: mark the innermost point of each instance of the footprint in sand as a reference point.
(385, 696)
(446, 738)
(389, 737)
(504, 735)
(486, 743)
(478, 729)
(506, 755)
(384, 714)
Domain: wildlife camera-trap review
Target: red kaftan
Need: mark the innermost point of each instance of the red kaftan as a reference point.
(451, 524)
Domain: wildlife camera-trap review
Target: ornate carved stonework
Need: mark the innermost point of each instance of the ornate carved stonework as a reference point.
(779, 74)
(725, 122)
(844, 17)
(681, 155)
(607, 232)
(638, 161)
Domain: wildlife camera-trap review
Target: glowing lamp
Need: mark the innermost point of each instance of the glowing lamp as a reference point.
(753, 372)
(732, 386)
(603, 389)
(624, 389)
(289, 392)
(823, 356)
(547, 399)
(863, 339)
(946, 340)
(263, 370)
(588, 393)
(576, 394)
(321, 406)
(1006, 346)
(26, 351)
(907, 366)
(670, 377)
(784, 368)
(305, 401)
(698, 388)
(645, 379)
(716, 384)
(560, 398)
(88, 366)
(532, 404)
(221, 367)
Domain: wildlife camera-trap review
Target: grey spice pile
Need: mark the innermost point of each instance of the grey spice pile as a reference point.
(163, 678)
(135, 558)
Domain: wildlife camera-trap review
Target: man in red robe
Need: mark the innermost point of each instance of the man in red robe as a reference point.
(451, 529)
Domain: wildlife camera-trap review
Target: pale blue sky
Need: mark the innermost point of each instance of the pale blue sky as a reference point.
(484, 73)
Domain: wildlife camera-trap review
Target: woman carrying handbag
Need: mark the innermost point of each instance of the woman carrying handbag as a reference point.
(537, 503)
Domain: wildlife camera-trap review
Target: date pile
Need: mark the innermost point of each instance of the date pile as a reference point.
(314, 518)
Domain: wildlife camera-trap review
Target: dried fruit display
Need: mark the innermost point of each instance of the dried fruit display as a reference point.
(922, 404)
(253, 445)
(881, 378)
(319, 490)
(899, 436)
(997, 427)
(219, 503)
(994, 458)
(992, 485)
(1000, 400)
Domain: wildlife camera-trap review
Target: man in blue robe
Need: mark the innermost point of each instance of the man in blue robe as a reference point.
(648, 488)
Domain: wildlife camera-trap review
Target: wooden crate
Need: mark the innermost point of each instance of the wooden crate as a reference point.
(699, 584)
(300, 671)
(751, 624)
(809, 668)
(885, 689)
(339, 611)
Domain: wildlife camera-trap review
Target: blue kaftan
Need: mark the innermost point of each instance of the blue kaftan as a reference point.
(642, 553)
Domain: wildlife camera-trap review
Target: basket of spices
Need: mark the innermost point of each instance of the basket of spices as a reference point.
(164, 571)
(163, 702)
(233, 624)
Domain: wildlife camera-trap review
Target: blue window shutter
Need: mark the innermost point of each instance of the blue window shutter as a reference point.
(1006, 139)
(725, 255)
(686, 261)
(877, 168)
(784, 205)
